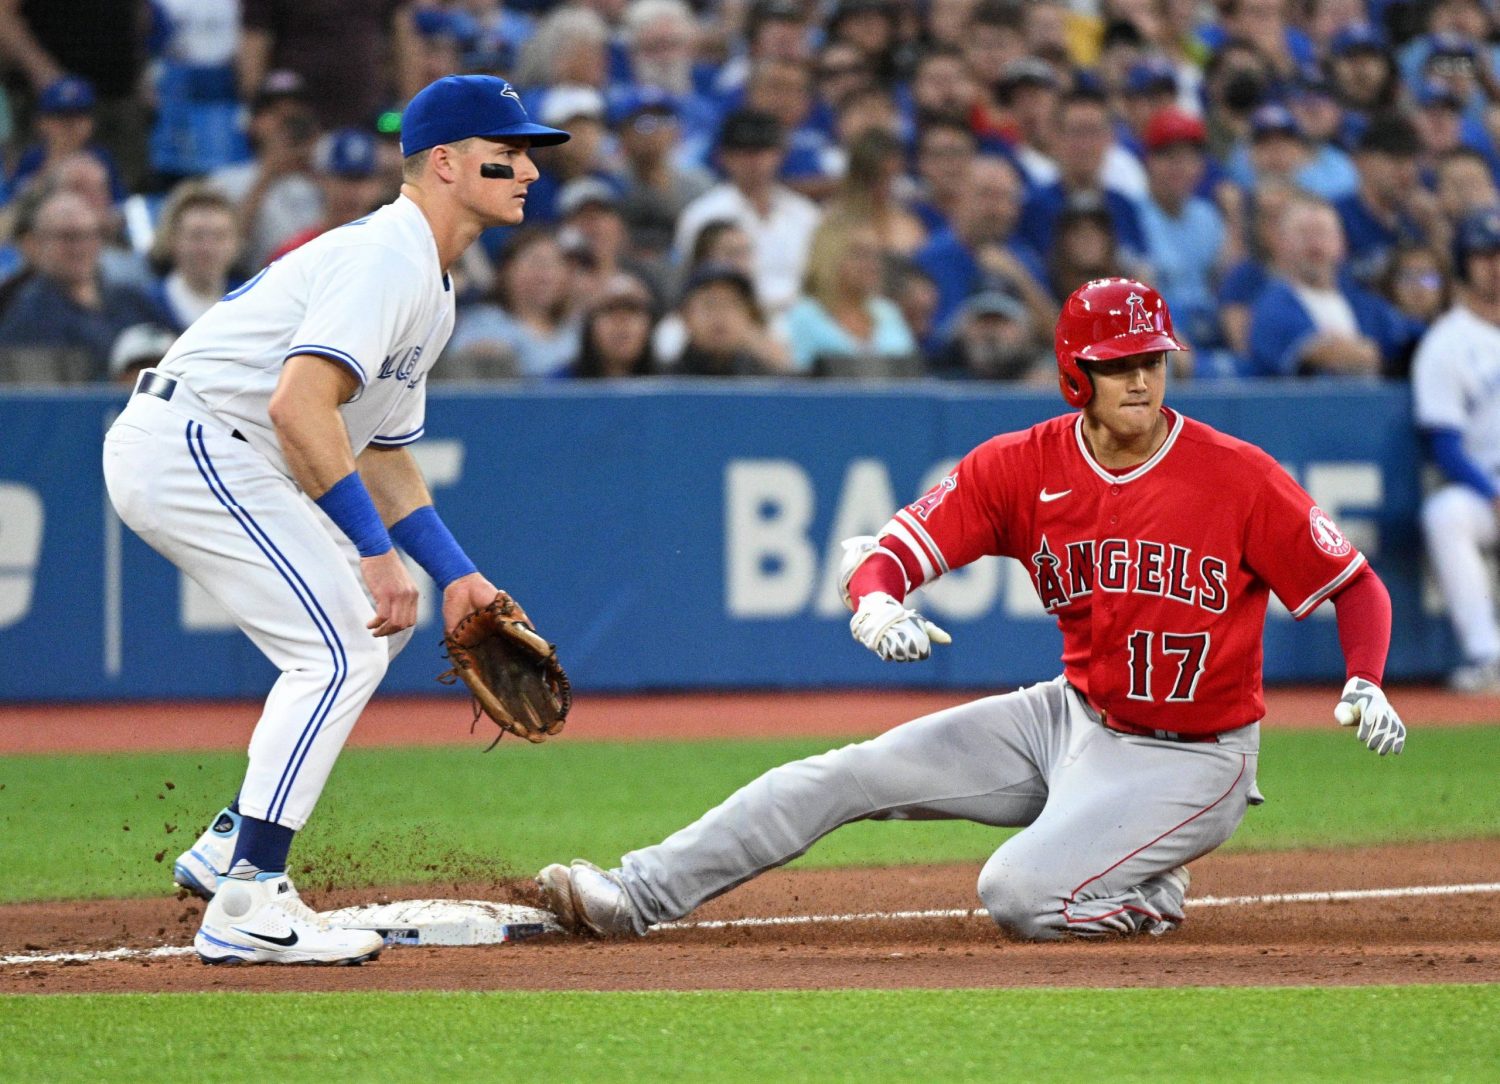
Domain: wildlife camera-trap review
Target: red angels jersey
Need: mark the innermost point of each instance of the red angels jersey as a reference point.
(1158, 575)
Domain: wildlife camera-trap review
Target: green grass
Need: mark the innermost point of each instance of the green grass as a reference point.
(1368, 1034)
(451, 813)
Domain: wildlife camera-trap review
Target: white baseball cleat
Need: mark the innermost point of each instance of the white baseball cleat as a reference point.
(201, 867)
(587, 899)
(264, 921)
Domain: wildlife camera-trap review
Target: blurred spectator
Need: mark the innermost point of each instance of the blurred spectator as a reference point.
(1266, 25)
(570, 47)
(196, 243)
(656, 187)
(780, 221)
(993, 339)
(1330, 171)
(844, 326)
(342, 49)
(139, 346)
(944, 152)
(1054, 33)
(1464, 183)
(784, 89)
(275, 191)
(1439, 123)
(350, 184)
(994, 39)
(865, 108)
(525, 329)
(721, 242)
(727, 334)
(660, 37)
(502, 33)
(1245, 280)
(615, 339)
(1149, 86)
(840, 69)
(943, 88)
(1237, 80)
(774, 29)
(1306, 321)
(982, 242)
(1086, 246)
(1364, 76)
(1454, 377)
(1085, 137)
(65, 126)
(578, 110)
(197, 127)
(84, 175)
(439, 39)
(1391, 206)
(1029, 91)
(869, 26)
(594, 233)
(916, 295)
(1276, 150)
(98, 41)
(868, 192)
(1185, 233)
(1417, 283)
(949, 21)
(65, 308)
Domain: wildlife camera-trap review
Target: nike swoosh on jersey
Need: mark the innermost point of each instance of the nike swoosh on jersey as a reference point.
(1046, 497)
(286, 942)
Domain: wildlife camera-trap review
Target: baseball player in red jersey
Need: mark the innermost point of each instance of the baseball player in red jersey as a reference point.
(1156, 542)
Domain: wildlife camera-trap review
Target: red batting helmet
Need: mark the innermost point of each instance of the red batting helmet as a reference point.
(1103, 319)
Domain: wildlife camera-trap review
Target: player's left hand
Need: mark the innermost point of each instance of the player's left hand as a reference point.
(892, 631)
(1380, 727)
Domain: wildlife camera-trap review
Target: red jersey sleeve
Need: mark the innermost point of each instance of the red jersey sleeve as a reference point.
(1294, 546)
(959, 520)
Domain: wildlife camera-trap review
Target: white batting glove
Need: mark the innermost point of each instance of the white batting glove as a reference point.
(856, 549)
(1380, 727)
(892, 631)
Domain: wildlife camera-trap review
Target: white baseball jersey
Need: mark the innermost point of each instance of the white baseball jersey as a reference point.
(370, 296)
(1455, 380)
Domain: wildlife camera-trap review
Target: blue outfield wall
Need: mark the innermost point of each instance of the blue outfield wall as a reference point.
(670, 535)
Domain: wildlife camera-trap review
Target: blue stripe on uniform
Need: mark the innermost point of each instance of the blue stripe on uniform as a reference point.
(309, 603)
(331, 352)
(404, 438)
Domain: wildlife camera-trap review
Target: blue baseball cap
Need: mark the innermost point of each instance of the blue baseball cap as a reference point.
(1357, 38)
(1274, 120)
(1478, 231)
(350, 153)
(1150, 75)
(1435, 92)
(459, 107)
(69, 94)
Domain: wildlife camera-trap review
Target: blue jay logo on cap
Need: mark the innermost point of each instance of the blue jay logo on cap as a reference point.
(510, 92)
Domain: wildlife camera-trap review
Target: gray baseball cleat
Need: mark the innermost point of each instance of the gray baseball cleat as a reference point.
(587, 899)
(1179, 878)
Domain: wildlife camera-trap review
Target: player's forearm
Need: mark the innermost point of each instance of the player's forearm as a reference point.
(1363, 608)
(395, 482)
(314, 444)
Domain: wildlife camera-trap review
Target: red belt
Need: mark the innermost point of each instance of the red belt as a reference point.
(1122, 727)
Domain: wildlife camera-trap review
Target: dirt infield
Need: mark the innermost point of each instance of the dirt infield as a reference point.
(443, 720)
(1431, 939)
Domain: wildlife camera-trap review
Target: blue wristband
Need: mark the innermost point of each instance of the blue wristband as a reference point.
(427, 538)
(348, 504)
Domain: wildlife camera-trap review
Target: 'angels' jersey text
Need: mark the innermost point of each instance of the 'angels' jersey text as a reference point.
(1120, 565)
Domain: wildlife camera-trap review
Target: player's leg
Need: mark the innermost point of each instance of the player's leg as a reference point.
(1123, 813)
(1459, 526)
(981, 761)
(216, 509)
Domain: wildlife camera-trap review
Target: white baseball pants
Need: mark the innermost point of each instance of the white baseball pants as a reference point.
(220, 512)
(1460, 526)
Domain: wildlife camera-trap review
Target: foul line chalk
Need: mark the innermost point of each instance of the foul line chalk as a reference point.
(1343, 896)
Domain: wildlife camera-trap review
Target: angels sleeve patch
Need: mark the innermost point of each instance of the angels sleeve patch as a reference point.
(1326, 533)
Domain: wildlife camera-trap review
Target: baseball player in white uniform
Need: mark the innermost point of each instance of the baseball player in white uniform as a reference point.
(1456, 395)
(304, 387)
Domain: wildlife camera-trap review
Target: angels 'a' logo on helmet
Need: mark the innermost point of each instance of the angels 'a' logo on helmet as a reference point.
(1140, 319)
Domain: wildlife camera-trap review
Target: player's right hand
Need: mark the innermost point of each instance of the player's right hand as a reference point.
(892, 631)
(1380, 728)
(393, 592)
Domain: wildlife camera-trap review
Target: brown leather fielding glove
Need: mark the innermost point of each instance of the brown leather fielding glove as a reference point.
(511, 670)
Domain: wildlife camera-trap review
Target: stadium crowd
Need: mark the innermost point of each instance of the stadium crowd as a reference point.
(819, 187)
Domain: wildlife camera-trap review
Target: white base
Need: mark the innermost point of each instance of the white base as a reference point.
(446, 922)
